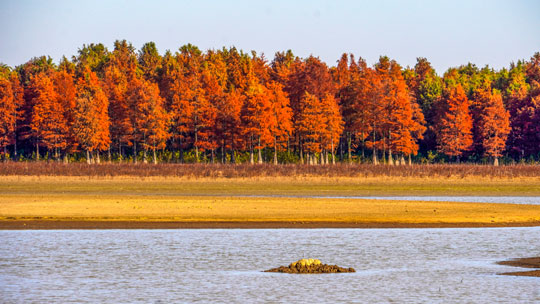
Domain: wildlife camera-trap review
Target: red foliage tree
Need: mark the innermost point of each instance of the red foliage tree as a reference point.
(8, 117)
(454, 135)
(66, 91)
(91, 119)
(257, 119)
(281, 127)
(148, 117)
(48, 123)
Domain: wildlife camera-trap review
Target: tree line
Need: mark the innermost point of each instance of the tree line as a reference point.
(230, 106)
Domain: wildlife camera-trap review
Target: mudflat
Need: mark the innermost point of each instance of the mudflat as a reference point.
(56, 202)
(533, 262)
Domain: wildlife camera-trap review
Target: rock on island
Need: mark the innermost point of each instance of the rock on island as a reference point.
(310, 266)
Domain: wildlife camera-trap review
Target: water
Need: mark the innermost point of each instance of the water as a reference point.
(529, 200)
(171, 266)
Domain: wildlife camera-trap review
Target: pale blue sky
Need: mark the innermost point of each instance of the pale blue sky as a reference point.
(447, 33)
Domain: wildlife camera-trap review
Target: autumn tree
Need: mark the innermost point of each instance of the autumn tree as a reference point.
(281, 117)
(310, 126)
(66, 92)
(91, 119)
(182, 90)
(119, 72)
(332, 124)
(347, 76)
(493, 122)
(257, 119)
(454, 123)
(48, 123)
(7, 115)
(281, 67)
(148, 117)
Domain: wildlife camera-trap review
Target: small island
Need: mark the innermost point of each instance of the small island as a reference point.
(310, 266)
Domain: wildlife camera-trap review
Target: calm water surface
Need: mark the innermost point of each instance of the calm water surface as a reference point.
(164, 266)
(529, 200)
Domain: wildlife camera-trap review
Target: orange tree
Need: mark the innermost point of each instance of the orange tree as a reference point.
(91, 120)
(454, 135)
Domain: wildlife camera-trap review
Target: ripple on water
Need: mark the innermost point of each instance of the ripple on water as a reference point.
(402, 265)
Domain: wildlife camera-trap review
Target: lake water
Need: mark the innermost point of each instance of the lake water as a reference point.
(529, 200)
(219, 265)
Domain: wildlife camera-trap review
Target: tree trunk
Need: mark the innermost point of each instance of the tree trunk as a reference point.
(37, 151)
(121, 155)
(212, 156)
(88, 157)
(410, 160)
(223, 156)
(155, 156)
(390, 158)
(181, 154)
(301, 157)
(15, 140)
(110, 156)
(98, 160)
(349, 147)
(496, 161)
(260, 160)
(375, 161)
(363, 145)
(333, 156)
(196, 148)
(275, 151)
(326, 162)
(134, 152)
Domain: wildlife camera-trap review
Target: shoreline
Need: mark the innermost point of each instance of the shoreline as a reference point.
(137, 224)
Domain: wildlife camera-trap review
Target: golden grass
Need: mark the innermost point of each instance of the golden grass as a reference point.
(227, 199)
(208, 208)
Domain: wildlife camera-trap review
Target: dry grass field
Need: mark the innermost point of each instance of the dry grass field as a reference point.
(262, 197)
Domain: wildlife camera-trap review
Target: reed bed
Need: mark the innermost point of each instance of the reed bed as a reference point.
(265, 170)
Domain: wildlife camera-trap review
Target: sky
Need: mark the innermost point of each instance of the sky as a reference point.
(447, 33)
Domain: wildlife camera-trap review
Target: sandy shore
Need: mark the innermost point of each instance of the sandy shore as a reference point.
(533, 262)
(119, 224)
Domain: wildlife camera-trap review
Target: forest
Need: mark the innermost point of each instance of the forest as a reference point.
(229, 106)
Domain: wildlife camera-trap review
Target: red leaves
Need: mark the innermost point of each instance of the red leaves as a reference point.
(454, 135)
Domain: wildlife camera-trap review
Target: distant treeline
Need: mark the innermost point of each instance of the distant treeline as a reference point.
(228, 106)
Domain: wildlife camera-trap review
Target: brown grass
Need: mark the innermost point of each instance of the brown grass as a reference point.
(265, 170)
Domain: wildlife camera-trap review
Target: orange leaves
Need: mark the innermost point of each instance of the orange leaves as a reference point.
(454, 126)
(493, 123)
(257, 117)
(7, 113)
(91, 119)
(148, 117)
(319, 123)
(48, 123)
